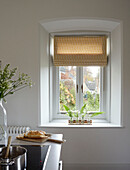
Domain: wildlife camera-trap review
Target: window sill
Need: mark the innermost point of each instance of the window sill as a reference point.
(96, 124)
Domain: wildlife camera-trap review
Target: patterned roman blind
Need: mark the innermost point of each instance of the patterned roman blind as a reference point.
(80, 51)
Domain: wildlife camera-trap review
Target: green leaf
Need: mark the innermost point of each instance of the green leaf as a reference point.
(69, 112)
(82, 108)
(4, 100)
(11, 92)
(76, 115)
(98, 113)
(9, 85)
(66, 108)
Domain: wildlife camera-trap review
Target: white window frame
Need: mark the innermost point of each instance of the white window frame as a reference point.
(104, 101)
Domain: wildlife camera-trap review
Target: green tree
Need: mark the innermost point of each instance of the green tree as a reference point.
(67, 97)
(92, 101)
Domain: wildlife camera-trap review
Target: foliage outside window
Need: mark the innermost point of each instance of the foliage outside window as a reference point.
(91, 87)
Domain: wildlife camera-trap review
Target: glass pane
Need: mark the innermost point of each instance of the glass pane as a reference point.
(67, 80)
(91, 88)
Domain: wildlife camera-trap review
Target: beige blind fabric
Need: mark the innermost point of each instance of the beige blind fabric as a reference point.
(80, 51)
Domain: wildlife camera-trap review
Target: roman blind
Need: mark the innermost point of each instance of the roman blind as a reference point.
(80, 51)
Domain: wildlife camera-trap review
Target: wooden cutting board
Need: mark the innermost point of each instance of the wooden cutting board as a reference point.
(47, 138)
(21, 137)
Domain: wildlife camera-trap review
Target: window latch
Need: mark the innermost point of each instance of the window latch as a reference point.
(77, 88)
(82, 88)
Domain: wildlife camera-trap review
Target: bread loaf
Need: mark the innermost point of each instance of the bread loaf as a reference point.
(35, 134)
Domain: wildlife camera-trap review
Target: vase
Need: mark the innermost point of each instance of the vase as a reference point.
(70, 121)
(3, 124)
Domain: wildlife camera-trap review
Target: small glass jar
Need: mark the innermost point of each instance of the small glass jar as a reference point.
(74, 120)
(88, 117)
(80, 119)
(70, 121)
(85, 119)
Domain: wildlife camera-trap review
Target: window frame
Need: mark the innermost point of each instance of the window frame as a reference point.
(104, 70)
(79, 95)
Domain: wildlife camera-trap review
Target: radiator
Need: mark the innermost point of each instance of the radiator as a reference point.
(12, 130)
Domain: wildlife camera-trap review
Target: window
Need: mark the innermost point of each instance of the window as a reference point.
(111, 74)
(76, 85)
(112, 80)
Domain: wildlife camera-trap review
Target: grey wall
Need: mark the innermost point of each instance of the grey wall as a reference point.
(19, 45)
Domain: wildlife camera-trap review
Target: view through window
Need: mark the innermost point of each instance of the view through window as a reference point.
(67, 77)
(90, 87)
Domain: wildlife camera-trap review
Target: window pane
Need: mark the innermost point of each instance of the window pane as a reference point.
(67, 80)
(91, 88)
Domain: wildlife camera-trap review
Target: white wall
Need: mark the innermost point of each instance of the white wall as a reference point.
(116, 56)
(20, 46)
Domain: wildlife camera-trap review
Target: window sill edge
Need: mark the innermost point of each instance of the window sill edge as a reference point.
(58, 124)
